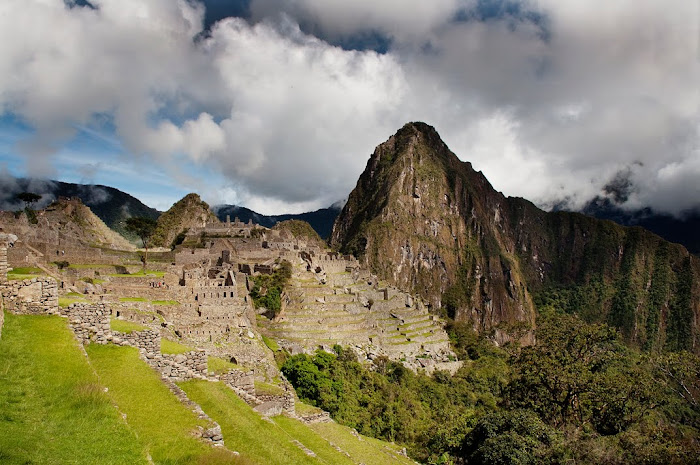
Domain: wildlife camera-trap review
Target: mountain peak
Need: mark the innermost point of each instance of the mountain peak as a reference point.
(189, 212)
(427, 223)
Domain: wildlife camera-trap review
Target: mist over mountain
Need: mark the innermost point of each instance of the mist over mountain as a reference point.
(111, 205)
(683, 230)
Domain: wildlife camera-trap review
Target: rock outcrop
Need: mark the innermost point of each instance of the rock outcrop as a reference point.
(187, 213)
(430, 224)
(66, 223)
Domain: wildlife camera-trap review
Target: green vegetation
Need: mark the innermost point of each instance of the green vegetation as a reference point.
(305, 409)
(143, 227)
(263, 388)
(140, 274)
(219, 365)
(165, 302)
(245, 431)
(52, 406)
(577, 395)
(71, 298)
(179, 239)
(29, 199)
(170, 224)
(680, 318)
(459, 294)
(172, 347)
(164, 425)
(271, 344)
(125, 326)
(363, 449)
(24, 273)
(61, 264)
(267, 289)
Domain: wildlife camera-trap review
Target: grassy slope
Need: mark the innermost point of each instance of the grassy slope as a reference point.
(366, 450)
(244, 430)
(266, 443)
(52, 409)
(160, 420)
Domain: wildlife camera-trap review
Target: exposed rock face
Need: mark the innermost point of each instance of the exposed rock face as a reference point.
(64, 223)
(428, 223)
(188, 213)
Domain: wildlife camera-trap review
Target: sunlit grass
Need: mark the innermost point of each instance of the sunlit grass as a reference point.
(71, 298)
(263, 388)
(140, 274)
(52, 406)
(172, 347)
(244, 430)
(17, 274)
(125, 326)
(162, 423)
(367, 450)
(271, 344)
(219, 365)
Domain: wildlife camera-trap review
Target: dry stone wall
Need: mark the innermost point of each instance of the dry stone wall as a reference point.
(3, 260)
(242, 380)
(90, 323)
(2, 316)
(31, 296)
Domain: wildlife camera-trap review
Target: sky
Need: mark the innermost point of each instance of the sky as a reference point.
(277, 105)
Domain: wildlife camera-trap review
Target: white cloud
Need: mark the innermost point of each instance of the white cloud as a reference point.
(289, 120)
(399, 19)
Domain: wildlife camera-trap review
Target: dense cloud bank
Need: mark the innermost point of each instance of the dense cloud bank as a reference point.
(552, 100)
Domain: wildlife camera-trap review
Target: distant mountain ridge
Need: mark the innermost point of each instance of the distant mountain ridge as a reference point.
(684, 230)
(321, 220)
(111, 205)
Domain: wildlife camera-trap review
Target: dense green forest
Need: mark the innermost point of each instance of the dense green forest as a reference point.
(577, 396)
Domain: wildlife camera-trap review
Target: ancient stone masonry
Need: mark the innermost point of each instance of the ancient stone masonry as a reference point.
(36, 295)
(242, 380)
(182, 366)
(213, 433)
(90, 323)
(4, 244)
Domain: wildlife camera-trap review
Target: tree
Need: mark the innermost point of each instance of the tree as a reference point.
(557, 377)
(144, 228)
(29, 198)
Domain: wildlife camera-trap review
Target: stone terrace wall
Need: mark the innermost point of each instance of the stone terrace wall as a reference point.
(36, 295)
(2, 316)
(3, 260)
(242, 380)
(182, 366)
(90, 323)
(147, 340)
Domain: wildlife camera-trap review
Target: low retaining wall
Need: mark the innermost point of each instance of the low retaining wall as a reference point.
(181, 366)
(242, 380)
(31, 296)
(2, 315)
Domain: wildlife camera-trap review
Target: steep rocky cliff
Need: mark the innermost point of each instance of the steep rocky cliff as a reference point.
(427, 222)
(189, 212)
